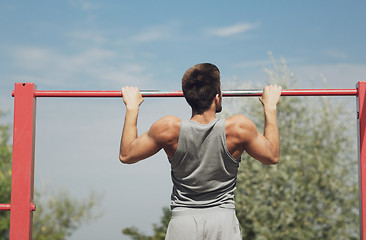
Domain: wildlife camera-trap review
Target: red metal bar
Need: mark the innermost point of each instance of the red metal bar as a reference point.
(225, 93)
(361, 115)
(294, 92)
(5, 207)
(21, 214)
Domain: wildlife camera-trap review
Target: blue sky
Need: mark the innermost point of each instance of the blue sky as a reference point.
(103, 45)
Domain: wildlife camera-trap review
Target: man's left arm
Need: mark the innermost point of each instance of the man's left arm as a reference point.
(134, 148)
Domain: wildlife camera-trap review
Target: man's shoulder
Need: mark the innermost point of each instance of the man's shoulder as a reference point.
(238, 119)
(166, 129)
(238, 123)
(167, 124)
(170, 118)
(169, 121)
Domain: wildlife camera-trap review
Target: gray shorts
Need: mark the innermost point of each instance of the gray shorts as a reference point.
(204, 224)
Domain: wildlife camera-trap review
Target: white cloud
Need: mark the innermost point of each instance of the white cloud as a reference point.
(341, 75)
(337, 75)
(91, 36)
(84, 4)
(154, 33)
(336, 54)
(233, 29)
(95, 65)
(128, 74)
(41, 59)
(250, 64)
(151, 35)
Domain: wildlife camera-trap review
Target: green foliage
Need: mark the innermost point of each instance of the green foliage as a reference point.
(135, 234)
(61, 214)
(5, 177)
(312, 192)
(57, 215)
(159, 229)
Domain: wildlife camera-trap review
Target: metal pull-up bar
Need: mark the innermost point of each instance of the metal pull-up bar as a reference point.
(25, 94)
(225, 93)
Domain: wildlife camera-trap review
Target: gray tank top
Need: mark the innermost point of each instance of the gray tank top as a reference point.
(202, 169)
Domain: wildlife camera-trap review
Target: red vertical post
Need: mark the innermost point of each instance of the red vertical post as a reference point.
(21, 215)
(361, 115)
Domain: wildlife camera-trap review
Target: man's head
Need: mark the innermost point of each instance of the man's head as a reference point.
(200, 85)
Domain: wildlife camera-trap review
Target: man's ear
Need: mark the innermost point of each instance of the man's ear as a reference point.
(217, 99)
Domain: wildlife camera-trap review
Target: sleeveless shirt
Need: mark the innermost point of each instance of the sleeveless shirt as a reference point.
(203, 171)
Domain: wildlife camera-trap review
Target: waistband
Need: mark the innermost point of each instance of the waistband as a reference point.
(183, 211)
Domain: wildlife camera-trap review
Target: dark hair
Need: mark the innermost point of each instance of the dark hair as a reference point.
(200, 84)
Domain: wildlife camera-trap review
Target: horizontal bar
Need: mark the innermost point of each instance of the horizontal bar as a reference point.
(5, 207)
(225, 93)
(33, 207)
(294, 92)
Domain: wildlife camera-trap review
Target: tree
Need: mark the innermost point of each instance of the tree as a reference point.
(159, 229)
(5, 176)
(57, 214)
(312, 193)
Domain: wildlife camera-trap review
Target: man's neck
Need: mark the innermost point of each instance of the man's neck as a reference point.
(205, 117)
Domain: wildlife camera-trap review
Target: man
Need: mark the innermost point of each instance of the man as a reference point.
(204, 153)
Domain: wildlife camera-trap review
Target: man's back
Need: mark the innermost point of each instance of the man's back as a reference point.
(166, 132)
(203, 171)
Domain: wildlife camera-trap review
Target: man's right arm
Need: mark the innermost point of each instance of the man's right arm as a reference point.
(266, 148)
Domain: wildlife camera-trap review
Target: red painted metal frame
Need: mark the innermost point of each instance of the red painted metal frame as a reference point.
(21, 214)
(5, 207)
(361, 115)
(225, 93)
(25, 94)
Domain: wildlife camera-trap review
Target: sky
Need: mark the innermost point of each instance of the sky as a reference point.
(104, 45)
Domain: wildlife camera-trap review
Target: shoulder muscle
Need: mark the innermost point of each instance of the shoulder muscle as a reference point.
(240, 128)
(165, 129)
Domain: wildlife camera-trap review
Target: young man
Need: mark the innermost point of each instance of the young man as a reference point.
(204, 153)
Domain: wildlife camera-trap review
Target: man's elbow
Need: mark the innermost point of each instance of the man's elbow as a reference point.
(125, 159)
(272, 161)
